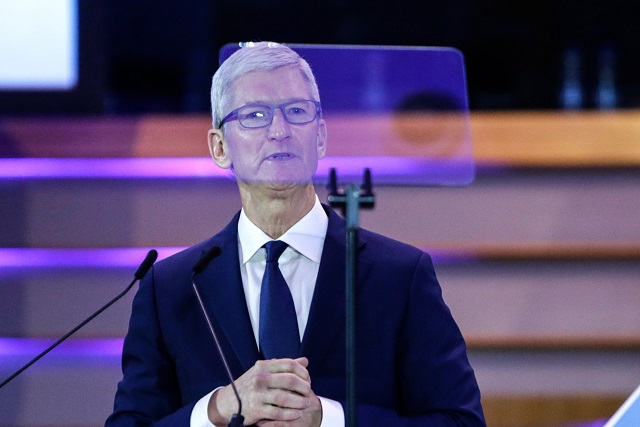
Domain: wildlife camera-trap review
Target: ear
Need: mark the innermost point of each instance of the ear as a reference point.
(322, 138)
(218, 148)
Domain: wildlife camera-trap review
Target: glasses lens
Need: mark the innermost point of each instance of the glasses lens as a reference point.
(258, 115)
(299, 112)
(254, 116)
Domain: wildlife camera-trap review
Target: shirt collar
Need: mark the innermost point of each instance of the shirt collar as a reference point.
(306, 236)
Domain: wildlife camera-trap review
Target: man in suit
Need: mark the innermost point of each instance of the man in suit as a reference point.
(412, 367)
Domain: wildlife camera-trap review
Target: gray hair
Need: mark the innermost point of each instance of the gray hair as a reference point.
(251, 57)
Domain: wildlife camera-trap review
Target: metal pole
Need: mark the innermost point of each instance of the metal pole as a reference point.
(351, 201)
(352, 218)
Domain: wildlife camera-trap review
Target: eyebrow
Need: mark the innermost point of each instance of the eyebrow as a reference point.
(265, 102)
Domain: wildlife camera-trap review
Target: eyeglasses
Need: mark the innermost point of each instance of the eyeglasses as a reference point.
(255, 116)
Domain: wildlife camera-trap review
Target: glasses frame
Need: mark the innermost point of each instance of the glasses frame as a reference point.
(233, 115)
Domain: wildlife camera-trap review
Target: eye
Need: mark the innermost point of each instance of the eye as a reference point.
(296, 111)
(254, 114)
(299, 109)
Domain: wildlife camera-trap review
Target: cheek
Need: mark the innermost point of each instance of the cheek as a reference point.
(243, 149)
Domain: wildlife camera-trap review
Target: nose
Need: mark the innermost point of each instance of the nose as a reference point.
(279, 128)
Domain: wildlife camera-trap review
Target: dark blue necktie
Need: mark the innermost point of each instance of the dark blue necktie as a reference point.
(279, 336)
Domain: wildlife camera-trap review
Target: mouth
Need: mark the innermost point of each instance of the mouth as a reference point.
(280, 156)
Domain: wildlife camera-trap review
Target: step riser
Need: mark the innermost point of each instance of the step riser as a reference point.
(597, 207)
(522, 297)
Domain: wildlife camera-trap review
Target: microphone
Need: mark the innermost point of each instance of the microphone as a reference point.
(144, 267)
(237, 420)
(205, 259)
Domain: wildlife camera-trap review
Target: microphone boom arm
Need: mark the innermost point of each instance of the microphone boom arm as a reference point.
(237, 420)
(151, 257)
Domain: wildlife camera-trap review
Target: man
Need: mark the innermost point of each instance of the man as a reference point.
(412, 363)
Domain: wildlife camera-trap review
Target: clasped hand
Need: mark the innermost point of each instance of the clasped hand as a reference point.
(274, 393)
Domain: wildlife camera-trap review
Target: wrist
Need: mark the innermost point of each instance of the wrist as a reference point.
(216, 418)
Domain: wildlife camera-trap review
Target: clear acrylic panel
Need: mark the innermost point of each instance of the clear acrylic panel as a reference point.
(402, 112)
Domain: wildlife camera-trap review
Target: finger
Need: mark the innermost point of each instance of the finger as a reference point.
(286, 400)
(290, 383)
(286, 366)
(270, 415)
(271, 423)
(302, 361)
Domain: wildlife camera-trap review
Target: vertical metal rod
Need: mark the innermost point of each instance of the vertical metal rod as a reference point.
(352, 212)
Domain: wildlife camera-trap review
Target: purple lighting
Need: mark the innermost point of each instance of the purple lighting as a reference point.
(48, 168)
(385, 169)
(72, 347)
(37, 257)
(132, 257)
(391, 170)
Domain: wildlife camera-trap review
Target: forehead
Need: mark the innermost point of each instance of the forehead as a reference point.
(273, 87)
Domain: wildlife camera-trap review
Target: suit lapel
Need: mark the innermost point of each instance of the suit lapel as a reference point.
(327, 313)
(221, 286)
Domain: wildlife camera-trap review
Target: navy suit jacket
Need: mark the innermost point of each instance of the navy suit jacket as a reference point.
(412, 366)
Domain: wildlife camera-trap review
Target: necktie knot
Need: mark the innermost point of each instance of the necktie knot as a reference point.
(275, 248)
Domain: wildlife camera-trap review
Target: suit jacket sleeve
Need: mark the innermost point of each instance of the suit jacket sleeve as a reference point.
(149, 392)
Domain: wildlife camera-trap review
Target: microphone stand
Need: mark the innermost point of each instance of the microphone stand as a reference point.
(351, 200)
(237, 420)
(140, 272)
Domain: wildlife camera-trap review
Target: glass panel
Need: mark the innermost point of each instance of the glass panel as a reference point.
(400, 111)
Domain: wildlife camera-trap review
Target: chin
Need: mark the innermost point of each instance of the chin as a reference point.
(280, 178)
(286, 182)
(283, 183)
(287, 177)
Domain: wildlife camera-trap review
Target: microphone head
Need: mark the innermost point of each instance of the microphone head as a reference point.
(151, 257)
(205, 259)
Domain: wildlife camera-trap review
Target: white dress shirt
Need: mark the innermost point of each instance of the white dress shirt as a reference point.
(299, 264)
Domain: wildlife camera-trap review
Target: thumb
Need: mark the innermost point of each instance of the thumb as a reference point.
(302, 361)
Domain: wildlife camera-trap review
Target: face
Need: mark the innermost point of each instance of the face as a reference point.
(279, 154)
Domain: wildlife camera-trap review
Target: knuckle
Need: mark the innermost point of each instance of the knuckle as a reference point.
(287, 381)
(258, 380)
(280, 400)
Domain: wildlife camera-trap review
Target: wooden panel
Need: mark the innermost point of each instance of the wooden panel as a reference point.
(515, 139)
(555, 342)
(557, 139)
(548, 411)
(99, 137)
(538, 251)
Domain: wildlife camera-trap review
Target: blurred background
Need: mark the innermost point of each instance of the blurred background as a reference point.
(145, 56)
(103, 156)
